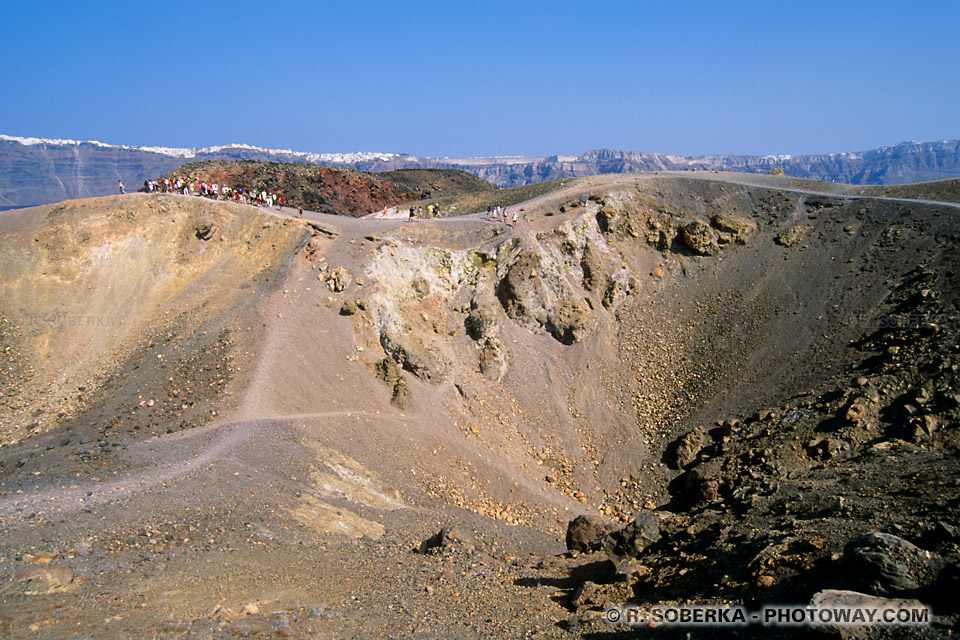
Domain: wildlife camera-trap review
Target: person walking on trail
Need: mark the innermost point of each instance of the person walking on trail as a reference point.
(299, 211)
(514, 219)
(120, 186)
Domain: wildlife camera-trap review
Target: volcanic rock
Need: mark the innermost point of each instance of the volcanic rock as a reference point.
(699, 238)
(629, 542)
(884, 564)
(584, 533)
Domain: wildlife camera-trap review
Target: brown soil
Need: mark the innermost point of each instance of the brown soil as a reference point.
(205, 431)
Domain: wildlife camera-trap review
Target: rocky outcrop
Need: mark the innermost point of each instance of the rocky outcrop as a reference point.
(388, 372)
(409, 351)
(628, 543)
(483, 325)
(534, 296)
(699, 238)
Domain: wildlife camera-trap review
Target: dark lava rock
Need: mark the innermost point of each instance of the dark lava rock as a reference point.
(628, 543)
(446, 537)
(584, 533)
(884, 564)
(700, 487)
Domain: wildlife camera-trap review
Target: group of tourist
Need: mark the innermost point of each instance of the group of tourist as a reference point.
(215, 191)
(416, 213)
(499, 214)
(266, 198)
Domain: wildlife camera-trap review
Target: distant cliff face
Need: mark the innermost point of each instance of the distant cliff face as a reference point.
(36, 171)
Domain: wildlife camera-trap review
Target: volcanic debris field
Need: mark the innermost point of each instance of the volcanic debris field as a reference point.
(219, 421)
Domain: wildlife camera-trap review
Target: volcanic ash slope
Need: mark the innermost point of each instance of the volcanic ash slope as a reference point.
(285, 408)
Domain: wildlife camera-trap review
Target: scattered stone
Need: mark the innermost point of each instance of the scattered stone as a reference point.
(765, 581)
(339, 280)
(348, 308)
(854, 413)
(794, 235)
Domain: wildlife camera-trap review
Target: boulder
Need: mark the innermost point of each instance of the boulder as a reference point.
(569, 320)
(738, 227)
(584, 533)
(699, 238)
(836, 600)
(701, 487)
(629, 542)
(884, 564)
(684, 449)
(409, 351)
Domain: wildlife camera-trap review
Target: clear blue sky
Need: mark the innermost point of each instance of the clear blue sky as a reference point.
(459, 78)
